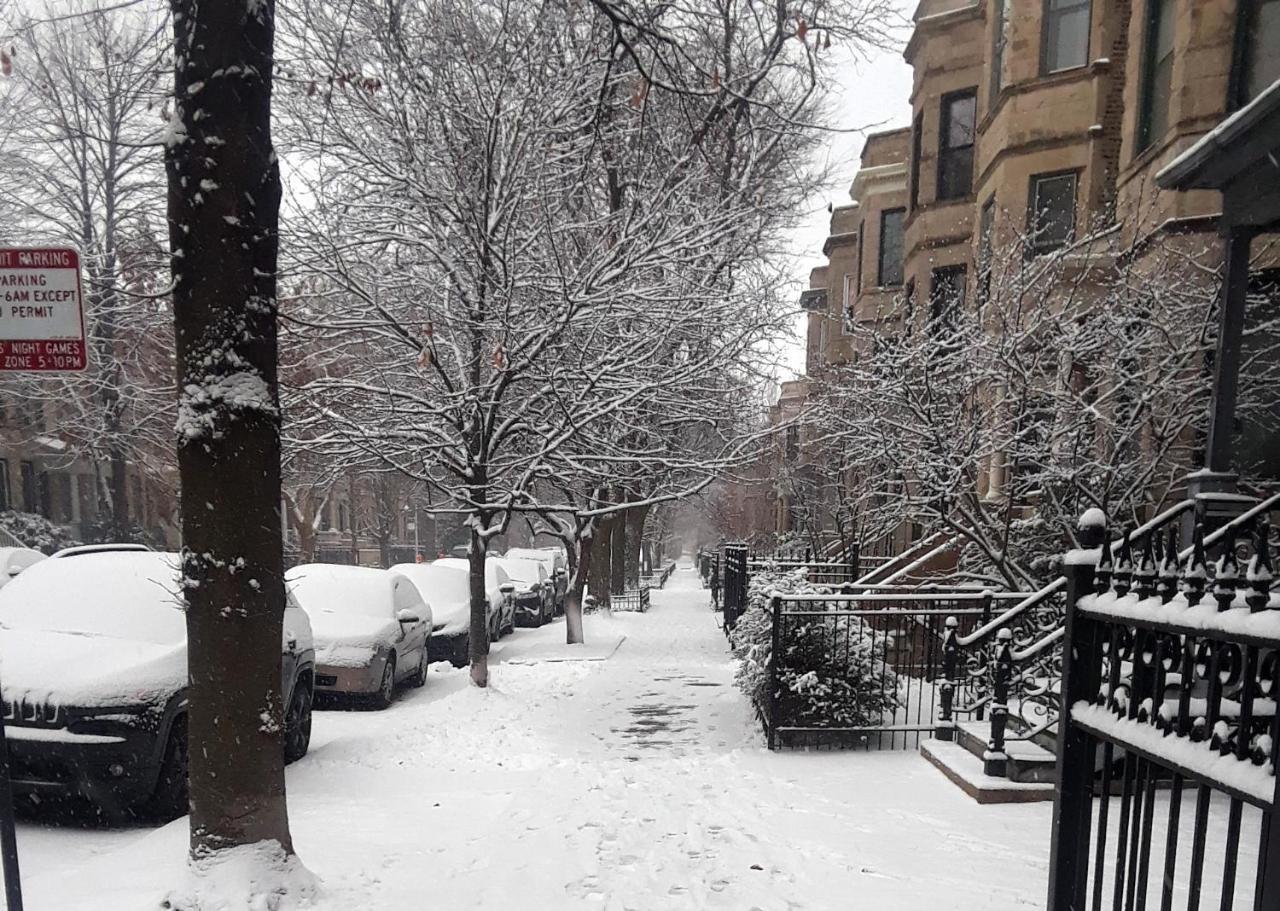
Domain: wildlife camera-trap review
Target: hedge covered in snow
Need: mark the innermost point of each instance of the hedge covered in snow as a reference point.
(830, 674)
(35, 531)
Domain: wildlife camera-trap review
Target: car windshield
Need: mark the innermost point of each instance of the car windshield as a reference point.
(122, 595)
(437, 584)
(522, 571)
(348, 590)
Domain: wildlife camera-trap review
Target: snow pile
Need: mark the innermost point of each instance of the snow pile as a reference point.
(258, 877)
(829, 672)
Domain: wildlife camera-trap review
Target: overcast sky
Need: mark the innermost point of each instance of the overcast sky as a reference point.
(873, 95)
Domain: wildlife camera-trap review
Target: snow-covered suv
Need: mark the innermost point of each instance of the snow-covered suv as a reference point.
(93, 664)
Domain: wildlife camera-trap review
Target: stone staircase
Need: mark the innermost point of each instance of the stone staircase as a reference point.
(1029, 766)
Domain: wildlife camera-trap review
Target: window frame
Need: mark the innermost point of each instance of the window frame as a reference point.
(1048, 17)
(1154, 20)
(846, 306)
(986, 250)
(1035, 246)
(880, 250)
(917, 152)
(947, 152)
(940, 319)
(1244, 52)
(999, 44)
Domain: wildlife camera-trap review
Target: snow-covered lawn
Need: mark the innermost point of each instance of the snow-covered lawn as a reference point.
(636, 779)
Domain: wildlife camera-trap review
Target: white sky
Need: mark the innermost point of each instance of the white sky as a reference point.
(874, 95)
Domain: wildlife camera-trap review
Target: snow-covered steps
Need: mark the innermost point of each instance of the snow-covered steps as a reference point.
(965, 771)
(1028, 762)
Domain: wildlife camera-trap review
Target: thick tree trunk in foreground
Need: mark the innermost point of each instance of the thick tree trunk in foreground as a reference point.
(479, 638)
(577, 583)
(224, 199)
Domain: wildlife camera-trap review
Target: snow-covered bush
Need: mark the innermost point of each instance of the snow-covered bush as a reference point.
(35, 531)
(830, 672)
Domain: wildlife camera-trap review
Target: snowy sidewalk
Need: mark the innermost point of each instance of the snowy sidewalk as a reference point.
(635, 782)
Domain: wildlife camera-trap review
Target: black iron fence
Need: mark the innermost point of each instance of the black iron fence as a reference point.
(1169, 689)
(734, 583)
(873, 669)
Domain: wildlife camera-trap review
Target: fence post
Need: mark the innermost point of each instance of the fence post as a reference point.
(983, 620)
(1081, 670)
(994, 761)
(775, 603)
(950, 647)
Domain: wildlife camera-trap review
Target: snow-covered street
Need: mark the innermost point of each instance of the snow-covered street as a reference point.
(635, 777)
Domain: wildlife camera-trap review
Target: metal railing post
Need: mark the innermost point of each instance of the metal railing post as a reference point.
(995, 761)
(950, 650)
(1081, 676)
(775, 603)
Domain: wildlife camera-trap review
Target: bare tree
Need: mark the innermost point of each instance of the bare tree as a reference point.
(224, 198)
(82, 165)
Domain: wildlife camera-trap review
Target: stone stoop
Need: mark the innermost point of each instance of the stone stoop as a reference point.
(1030, 767)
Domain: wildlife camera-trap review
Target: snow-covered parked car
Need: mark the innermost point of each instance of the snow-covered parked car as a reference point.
(14, 560)
(93, 662)
(446, 585)
(371, 629)
(499, 588)
(553, 558)
(534, 595)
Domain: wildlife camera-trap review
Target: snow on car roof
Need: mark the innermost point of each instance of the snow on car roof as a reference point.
(436, 582)
(120, 594)
(494, 574)
(337, 589)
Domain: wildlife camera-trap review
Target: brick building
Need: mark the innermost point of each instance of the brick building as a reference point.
(1034, 125)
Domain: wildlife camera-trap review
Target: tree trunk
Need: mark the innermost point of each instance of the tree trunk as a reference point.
(601, 553)
(573, 597)
(618, 556)
(479, 637)
(118, 527)
(223, 209)
(636, 517)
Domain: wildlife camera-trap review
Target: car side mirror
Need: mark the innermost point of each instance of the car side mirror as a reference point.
(562, 572)
(407, 616)
(507, 588)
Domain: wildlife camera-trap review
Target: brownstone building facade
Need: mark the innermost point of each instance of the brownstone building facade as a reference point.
(1036, 124)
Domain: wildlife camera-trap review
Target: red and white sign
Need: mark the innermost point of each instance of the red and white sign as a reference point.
(41, 310)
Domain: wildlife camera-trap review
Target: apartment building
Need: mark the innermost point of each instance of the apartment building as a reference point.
(1035, 125)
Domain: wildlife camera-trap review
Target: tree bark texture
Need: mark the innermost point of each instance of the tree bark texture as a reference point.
(636, 517)
(223, 208)
(479, 634)
(618, 556)
(578, 583)
(598, 582)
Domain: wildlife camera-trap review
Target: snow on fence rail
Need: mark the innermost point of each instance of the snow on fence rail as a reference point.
(1172, 675)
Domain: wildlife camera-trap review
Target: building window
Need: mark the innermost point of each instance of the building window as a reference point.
(1261, 48)
(1065, 43)
(30, 487)
(858, 284)
(892, 225)
(955, 144)
(999, 41)
(846, 306)
(1158, 80)
(4, 485)
(916, 147)
(946, 297)
(986, 249)
(793, 443)
(1051, 215)
(909, 304)
(87, 495)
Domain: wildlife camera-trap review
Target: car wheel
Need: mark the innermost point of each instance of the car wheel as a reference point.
(297, 723)
(387, 689)
(419, 677)
(169, 799)
(461, 652)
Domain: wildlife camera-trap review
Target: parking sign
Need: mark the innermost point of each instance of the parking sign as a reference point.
(41, 310)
